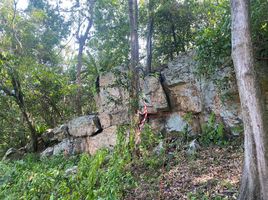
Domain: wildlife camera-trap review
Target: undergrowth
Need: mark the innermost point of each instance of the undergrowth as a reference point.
(213, 132)
(102, 176)
(110, 175)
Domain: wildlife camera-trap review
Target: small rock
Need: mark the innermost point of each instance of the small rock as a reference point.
(159, 148)
(193, 147)
(47, 152)
(71, 171)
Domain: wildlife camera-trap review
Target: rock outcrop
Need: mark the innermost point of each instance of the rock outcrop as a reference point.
(79, 135)
(177, 100)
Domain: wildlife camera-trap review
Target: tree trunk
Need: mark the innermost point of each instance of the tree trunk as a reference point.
(82, 39)
(31, 127)
(254, 183)
(19, 98)
(134, 46)
(78, 78)
(150, 28)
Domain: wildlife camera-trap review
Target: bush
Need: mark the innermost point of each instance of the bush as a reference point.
(102, 176)
(213, 132)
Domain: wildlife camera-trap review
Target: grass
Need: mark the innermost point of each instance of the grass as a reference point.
(169, 173)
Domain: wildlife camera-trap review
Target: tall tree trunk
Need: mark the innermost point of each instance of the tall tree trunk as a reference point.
(34, 137)
(78, 78)
(150, 28)
(254, 183)
(134, 45)
(19, 98)
(82, 39)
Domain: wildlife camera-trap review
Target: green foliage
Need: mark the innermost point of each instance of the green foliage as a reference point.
(102, 176)
(201, 196)
(149, 139)
(172, 21)
(29, 62)
(33, 178)
(110, 42)
(213, 33)
(213, 38)
(213, 132)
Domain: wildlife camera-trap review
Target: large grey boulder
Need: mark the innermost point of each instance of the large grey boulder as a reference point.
(47, 152)
(84, 126)
(68, 146)
(65, 146)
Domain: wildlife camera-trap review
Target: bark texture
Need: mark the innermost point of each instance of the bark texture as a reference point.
(18, 96)
(254, 183)
(150, 28)
(82, 39)
(134, 46)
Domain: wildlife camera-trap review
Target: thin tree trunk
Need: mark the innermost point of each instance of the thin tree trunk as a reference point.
(150, 28)
(19, 98)
(134, 45)
(254, 183)
(82, 38)
(78, 78)
(34, 137)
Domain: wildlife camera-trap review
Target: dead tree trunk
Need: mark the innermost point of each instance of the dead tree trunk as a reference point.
(254, 183)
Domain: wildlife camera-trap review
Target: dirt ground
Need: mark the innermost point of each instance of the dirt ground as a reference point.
(213, 173)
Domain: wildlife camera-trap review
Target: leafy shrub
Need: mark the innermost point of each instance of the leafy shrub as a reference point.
(149, 139)
(213, 132)
(102, 176)
(33, 178)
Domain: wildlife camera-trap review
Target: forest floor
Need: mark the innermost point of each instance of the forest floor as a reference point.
(212, 173)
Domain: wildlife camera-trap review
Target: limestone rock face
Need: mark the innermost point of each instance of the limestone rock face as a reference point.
(175, 123)
(185, 97)
(155, 95)
(189, 93)
(225, 103)
(83, 136)
(56, 134)
(47, 152)
(180, 71)
(182, 86)
(63, 147)
(177, 100)
(112, 100)
(107, 139)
